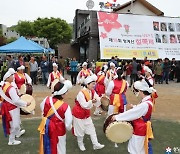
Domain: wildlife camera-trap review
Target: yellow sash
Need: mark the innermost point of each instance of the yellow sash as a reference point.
(21, 75)
(86, 93)
(7, 85)
(41, 127)
(149, 135)
(100, 78)
(86, 72)
(56, 76)
(116, 101)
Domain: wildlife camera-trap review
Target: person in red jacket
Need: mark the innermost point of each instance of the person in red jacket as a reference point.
(139, 115)
(82, 122)
(54, 75)
(21, 78)
(10, 108)
(56, 119)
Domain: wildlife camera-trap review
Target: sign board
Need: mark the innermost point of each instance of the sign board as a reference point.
(128, 36)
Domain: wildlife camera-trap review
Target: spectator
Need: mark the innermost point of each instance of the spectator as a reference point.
(134, 71)
(45, 69)
(53, 60)
(173, 67)
(158, 72)
(11, 62)
(33, 70)
(128, 71)
(20, 61)
(4, 67)
(62, 64)
(166, 69)
(114, 61)
(178, 72)
(74, 71)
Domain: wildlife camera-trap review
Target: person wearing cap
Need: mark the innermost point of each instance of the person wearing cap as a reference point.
(101, 82)
(148, 76)
(82, 122)
(57, 118)
(10, 108)
(139, 115)
(83, 74)
(21, 77)
(150, 81)
(111, 73)
(100, 86)
(116, 91)
(54, 75)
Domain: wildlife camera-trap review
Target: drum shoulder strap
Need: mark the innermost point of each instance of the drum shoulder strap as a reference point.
(55, 107)
(123, 87)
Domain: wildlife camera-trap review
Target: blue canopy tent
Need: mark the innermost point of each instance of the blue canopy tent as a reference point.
(22, 45)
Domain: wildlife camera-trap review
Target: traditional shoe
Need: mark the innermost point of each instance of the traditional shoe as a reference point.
(98, 146)
(81, 147)
(15, 142)
(21, 133)
(115, 145)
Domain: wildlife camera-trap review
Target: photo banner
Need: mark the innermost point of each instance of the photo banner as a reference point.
(128, 36)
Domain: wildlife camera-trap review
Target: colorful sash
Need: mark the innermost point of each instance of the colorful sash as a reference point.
(56, 75)
(85, 72)
(117, 100)
(44, 147)
(6, 117)
(149, 135)
(21, 75)
(100, 78)
(86, 94)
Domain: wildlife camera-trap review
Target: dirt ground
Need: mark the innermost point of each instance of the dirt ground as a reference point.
(167, 104)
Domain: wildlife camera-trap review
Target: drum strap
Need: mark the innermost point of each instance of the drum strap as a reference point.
(55, 111)
(5, 97)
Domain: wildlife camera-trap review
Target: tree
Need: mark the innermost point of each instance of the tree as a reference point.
(24, 28)
(55, 30)
(12, 39)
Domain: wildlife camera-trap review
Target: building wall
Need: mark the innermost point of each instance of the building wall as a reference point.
(138, 8)
(66, 50)
(8, 33)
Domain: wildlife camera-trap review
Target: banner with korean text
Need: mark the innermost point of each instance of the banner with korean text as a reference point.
(128, 36)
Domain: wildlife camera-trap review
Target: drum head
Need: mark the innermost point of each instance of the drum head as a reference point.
(105, 103)
(30, 108)
(53, 84)
(119, 132)
(22, 90)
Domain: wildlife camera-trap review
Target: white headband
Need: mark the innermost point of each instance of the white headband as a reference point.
(112, 64)
(21, 67)
(55, 65)
(10, 72)
(90, 79)
(143, 86)
(67, 85)
(84, 64)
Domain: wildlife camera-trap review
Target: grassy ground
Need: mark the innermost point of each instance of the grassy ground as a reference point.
(166, 134)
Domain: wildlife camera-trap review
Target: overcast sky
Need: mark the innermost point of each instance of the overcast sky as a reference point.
(11, 11)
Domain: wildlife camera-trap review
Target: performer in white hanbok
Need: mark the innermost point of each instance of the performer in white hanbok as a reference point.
(140, 116)
(82, 122)
(83, 74)
(57, 118)
(21, 77)
(10, 108)
(111, 73)
(54, 75)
